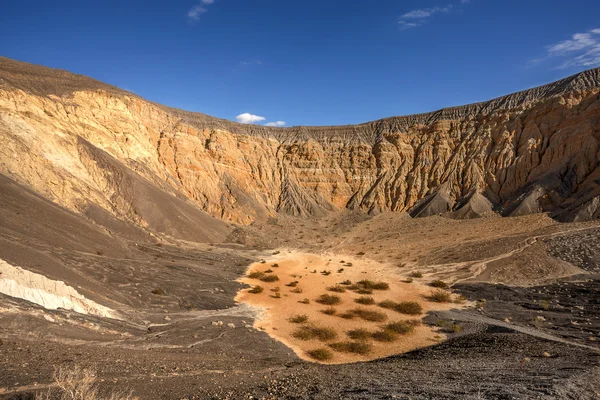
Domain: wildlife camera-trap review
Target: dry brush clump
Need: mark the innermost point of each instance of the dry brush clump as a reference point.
(321, 354)
(77, 383)
(269, 278)
(256, 289)
(369, 315)
(439, 284)
(329, 299)
(329, 311)
(336, 289)
(403, 307)
(367, 284)
(439, 296)
(361, 348)
(385, 335)
(359, 334)
(299, 319)
(365, 300)
(323, 334)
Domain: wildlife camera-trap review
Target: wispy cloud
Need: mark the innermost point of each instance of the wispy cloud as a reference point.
(196, 11)
(247, 118)
(416, 18)
(582, 50)
(276, 123)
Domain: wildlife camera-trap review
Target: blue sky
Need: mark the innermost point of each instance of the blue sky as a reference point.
(310, 62)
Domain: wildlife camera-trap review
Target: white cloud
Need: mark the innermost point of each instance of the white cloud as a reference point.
(199, 9)
(415, 18)
(247, 118)
(276, 123)
(582, 50)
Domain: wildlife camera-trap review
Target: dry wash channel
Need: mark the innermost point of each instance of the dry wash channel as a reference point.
(339, 309)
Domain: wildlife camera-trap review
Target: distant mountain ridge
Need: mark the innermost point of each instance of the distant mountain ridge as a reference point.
(537, 150)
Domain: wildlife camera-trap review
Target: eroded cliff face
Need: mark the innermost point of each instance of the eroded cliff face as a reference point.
(83, 144)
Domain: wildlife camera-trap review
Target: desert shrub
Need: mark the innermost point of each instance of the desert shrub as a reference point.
(292, 284)
(348, 264)
(415, 275)
(340, 270)
(439, 284)
(159, 292)
(337, 289)
(276, 289)
(256, 289)
(329, 311)
(296, 290)
(408, 307)
(263, 262)
(346, 283)
(388, 304)
(256, 275)
(460, 299)
(321, 354)
(304, 301)
(269, 271)
(439, 296)
(276, 295)
(77, 384)
(364, 291)
(314, 271)
(367, 284)
(326, 272)
(401, 327)
(359, 334)
(275, 265)
(311, 332)
(408, 280)
(299, 319)
(329, 299)
(365, 300)
(352, 347)
(269, 278)
(360, 253)
(369, 315)
(347, 315)
(385, 335)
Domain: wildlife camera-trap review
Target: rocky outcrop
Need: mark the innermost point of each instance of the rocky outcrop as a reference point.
(80, 143)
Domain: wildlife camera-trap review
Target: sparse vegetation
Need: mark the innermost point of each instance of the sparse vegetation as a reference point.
(364, 291)
(269, 278)
(256, 289)
(312, 332)
(292, 284)
(439, 284)
(329, 311)
(329, 299)
(337, 289)
(159, 292)
(367, 284)
(299, 319)
(385, 335)
(408, 307)
(276, 295)
(388, 304)
(275, 265)
(321, 354)
(369, 315)
(416, 275)
(365, 300)
(276, 289)
(296, 290)
(269, 271)
(439, 296)
(352, 347)
(256, 275)
(304, 301)
(408, 280)
(359, 334)
(340, 270)
(346, 282)
(347, 315)
(401, 327)
(326, 272)
(77, 384)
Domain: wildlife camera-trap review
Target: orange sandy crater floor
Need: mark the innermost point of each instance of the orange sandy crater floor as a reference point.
(295, 266)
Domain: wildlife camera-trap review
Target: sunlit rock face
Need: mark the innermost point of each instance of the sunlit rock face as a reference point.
(84, 144)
